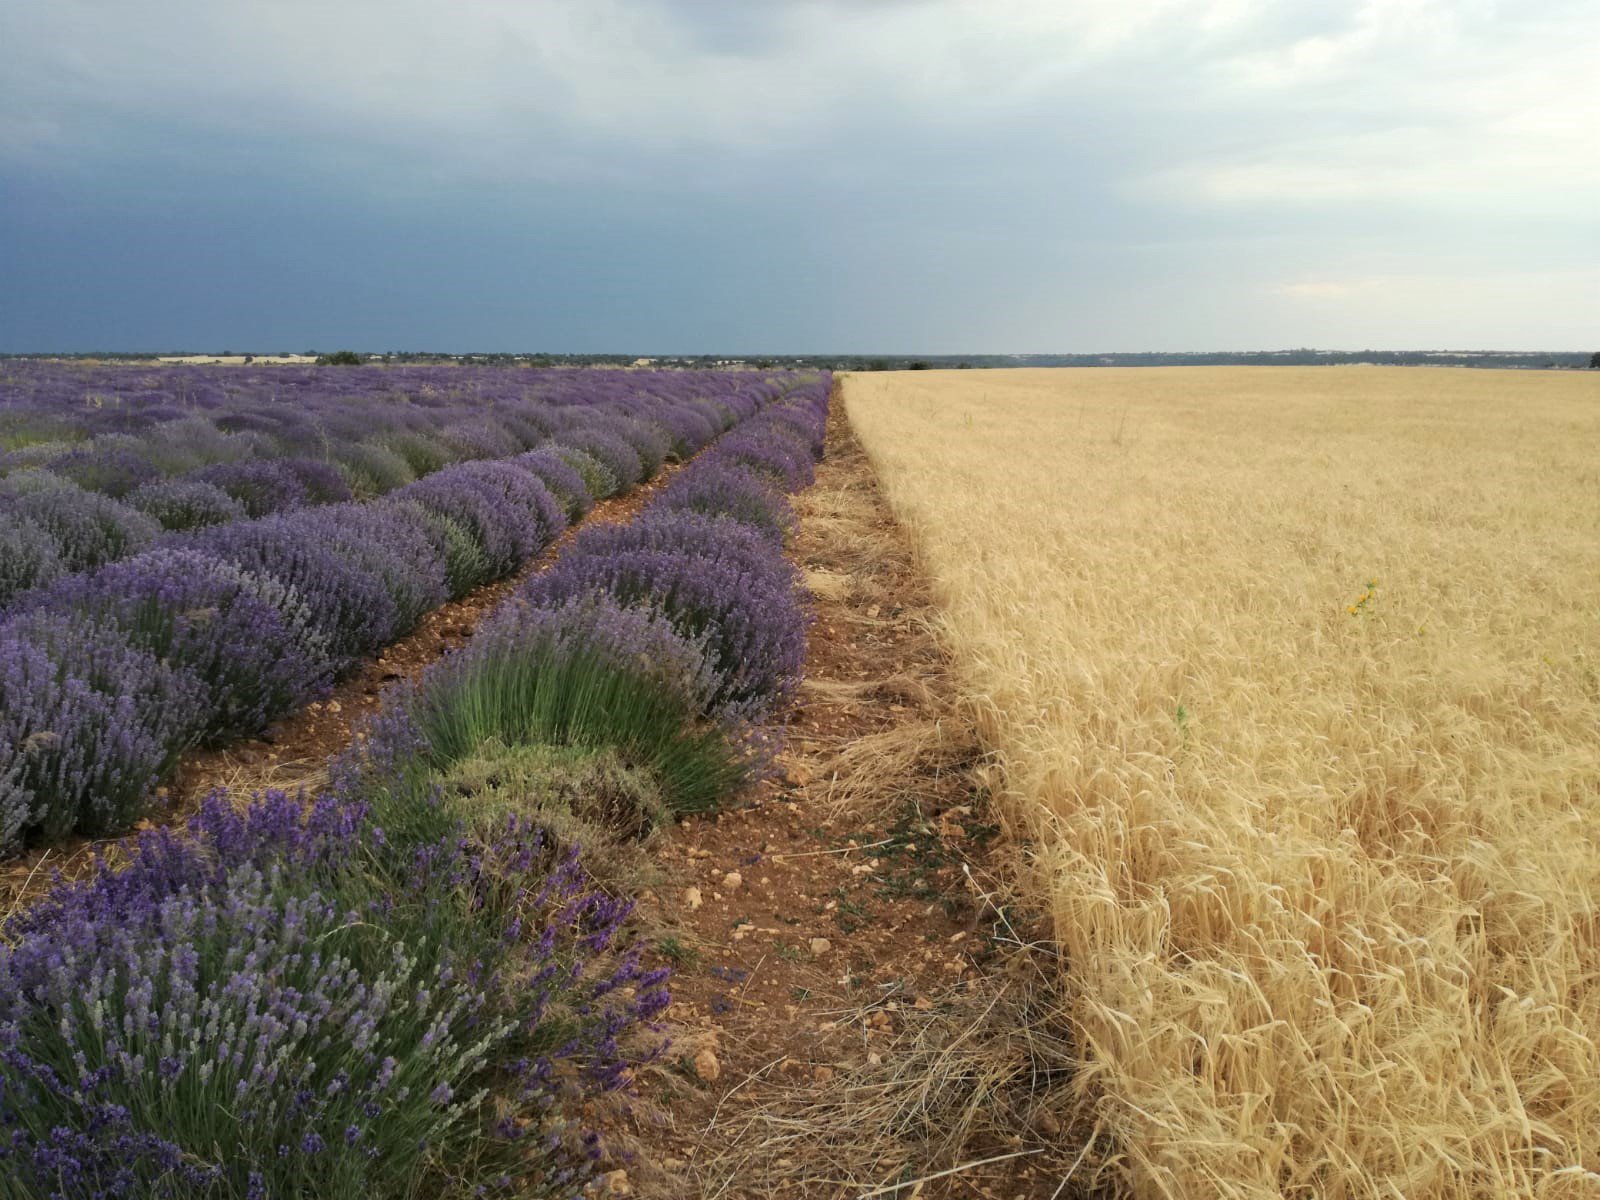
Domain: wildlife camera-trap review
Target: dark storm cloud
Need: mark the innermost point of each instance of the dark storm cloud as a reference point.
(811, 175)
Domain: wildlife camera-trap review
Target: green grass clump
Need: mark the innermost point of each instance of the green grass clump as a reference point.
(589, 675)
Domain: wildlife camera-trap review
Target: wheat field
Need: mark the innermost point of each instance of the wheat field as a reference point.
(1293, 680)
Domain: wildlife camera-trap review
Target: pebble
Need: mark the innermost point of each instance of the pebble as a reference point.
(820, 946)
(692, 898)
(733, 881)
(707, 1067)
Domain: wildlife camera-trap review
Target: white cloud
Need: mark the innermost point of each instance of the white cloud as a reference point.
(1319, 289)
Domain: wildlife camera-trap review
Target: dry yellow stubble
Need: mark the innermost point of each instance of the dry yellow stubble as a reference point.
(1294, 674)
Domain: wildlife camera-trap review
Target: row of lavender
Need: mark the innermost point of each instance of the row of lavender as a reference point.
(674, 638)
(393, 992)
(96, 462)
(107, 676)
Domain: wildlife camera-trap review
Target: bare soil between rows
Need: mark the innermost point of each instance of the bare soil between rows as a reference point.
(848, 976)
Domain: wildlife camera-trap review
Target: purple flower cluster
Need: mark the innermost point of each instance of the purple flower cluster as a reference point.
(280, 439)
(109, 468)
(287, 1001)
(225, 625)
(728, 489)
(560, 479)
(28, 556)
(719, 582)
(181, 504)
(707, 555)
(266, 486)
(88, 529)
(250, 642)
(620, 460)
(509, 512)
(88, 724)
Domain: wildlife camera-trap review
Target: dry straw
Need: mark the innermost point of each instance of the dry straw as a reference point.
(1295, 678)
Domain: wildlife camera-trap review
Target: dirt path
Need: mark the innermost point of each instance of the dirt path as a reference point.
(850, 1002)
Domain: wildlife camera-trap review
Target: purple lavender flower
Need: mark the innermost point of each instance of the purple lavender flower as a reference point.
(726, 489)
(269, 486)
(108, 466)
(238, 1012)
(352, 611)
(88, 723)
(722, 585)
(562, 480)
(28, 556)
(776, 450)
(615, 454)
(250, 648)
(508, 511)
(88, 529)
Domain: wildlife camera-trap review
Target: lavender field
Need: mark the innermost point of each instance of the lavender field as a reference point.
(386, 988)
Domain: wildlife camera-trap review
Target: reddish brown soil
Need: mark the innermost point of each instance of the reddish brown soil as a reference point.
(855, 922)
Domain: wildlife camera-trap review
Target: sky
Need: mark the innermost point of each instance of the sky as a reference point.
(799, 176)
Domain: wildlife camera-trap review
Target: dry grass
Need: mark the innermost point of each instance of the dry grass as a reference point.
(968, 1083)
(1326, 881)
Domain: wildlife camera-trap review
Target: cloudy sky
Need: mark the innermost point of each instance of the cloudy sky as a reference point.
(918, 176)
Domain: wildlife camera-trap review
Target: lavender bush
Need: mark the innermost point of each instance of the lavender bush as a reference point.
(246, 641)
(466, 566)
(373, 469)
(616, 455)
(28, 556)
(721, 584)
(389, 544)
(687, 427)
(647, 439)
(88, 529)
(107, 467)
(726, 489)
(598, 479)
(509, 512)
(181, 504)
(352, 611)
(87, 725)
(480, 438)
(561, 479)
(586, 673)
(271, 486)
(775, 450)
(422, 453)
(291, 1005)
